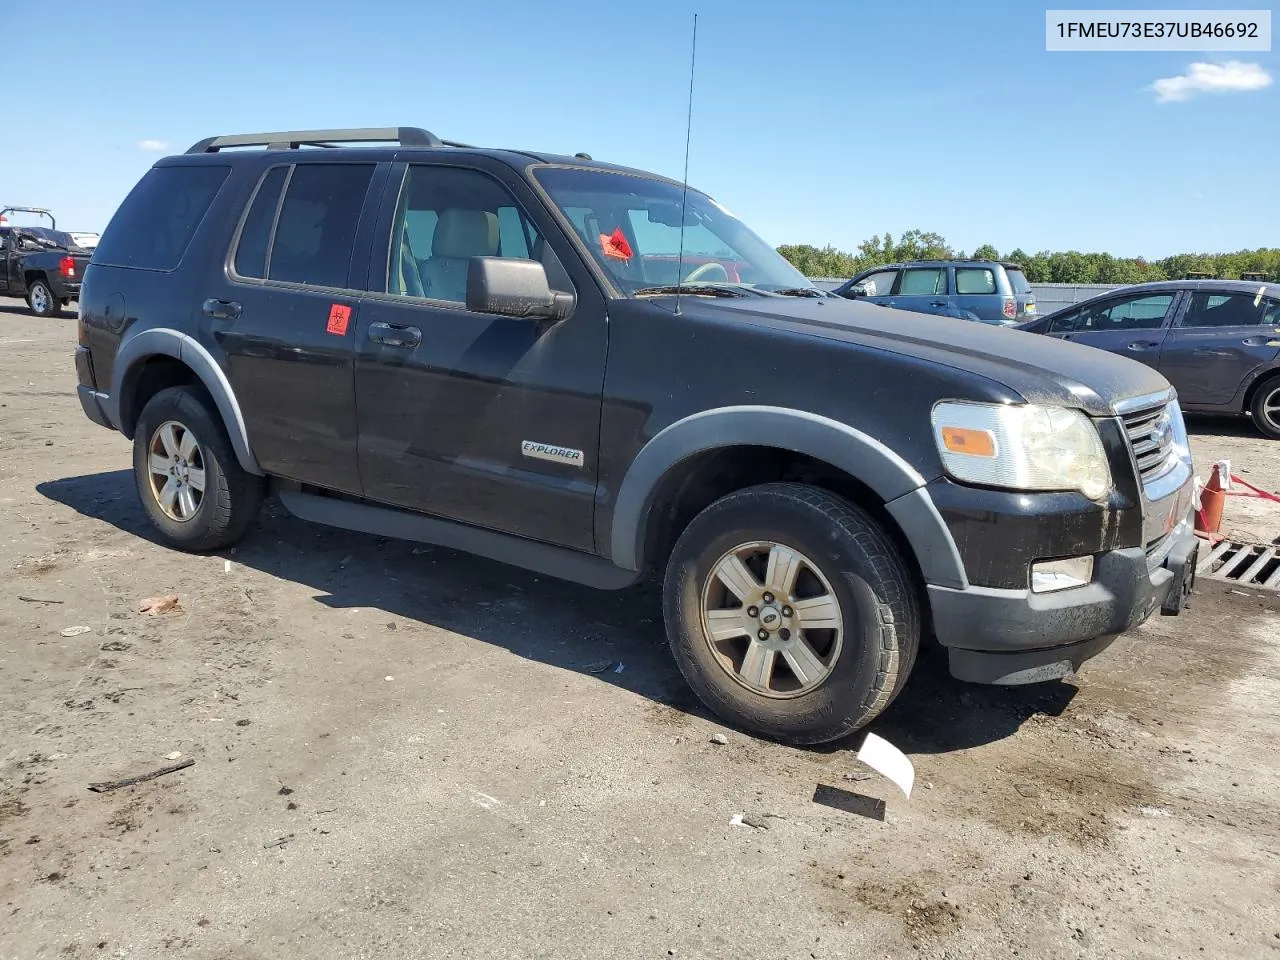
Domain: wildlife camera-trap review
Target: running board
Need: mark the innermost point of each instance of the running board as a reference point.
(532, 555)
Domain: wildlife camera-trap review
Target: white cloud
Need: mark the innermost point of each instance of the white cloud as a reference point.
(153, 146)
(1233, 76)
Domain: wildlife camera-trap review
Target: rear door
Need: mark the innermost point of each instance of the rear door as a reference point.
(922, 290)
(977, 292)
(1133, 325)
(1220, 339)
(283, 314)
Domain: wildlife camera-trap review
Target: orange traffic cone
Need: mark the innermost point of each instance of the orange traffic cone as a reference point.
(1209, 516)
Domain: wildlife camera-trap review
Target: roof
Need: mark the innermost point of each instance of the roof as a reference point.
(384, 142)
(943, 262)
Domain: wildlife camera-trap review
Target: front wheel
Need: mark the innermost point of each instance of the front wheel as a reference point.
(191, 485)
(1265, 409)
(791, 612)
(41, 301)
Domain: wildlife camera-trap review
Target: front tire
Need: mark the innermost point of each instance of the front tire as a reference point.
(1265, 409)
(192, 487)
(791, 613)
(41, 301)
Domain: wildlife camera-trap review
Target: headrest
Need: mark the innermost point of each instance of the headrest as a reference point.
(465, 233)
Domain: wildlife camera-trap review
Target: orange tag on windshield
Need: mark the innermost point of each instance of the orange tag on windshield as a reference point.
(615, 245)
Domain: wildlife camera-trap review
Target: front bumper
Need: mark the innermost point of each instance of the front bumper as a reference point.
(1017, 636)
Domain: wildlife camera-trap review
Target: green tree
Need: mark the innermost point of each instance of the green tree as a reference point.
(986, 252)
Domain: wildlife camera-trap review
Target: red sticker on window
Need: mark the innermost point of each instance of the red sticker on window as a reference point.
(615, 245)
(339, 314)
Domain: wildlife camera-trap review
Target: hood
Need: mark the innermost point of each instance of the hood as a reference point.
(1039, 369)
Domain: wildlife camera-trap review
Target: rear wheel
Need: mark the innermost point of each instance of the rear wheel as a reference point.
(41, 301)
(791, 612)
(1265, 409)
(191, 485)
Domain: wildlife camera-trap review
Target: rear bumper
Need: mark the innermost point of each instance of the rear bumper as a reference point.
(94, 405)
(1017, 636)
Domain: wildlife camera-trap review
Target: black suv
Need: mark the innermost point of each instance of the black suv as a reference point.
(577, 368)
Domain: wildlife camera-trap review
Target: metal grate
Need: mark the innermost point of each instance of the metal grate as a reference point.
(1150, 435)
(1248, 564)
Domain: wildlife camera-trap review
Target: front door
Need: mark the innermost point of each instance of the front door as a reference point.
(1220, 339)
(486, 419)
(921, 289)
(283, 312)
(1132, 325)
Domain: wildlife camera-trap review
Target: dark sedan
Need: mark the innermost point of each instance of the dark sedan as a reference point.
(1217, 341)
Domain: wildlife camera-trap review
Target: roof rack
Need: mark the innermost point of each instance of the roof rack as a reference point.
(294, 139)
(38, 211)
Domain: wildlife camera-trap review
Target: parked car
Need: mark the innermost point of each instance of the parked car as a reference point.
(1217, 341)
(43, 266)
(990, 291)
(419, 341)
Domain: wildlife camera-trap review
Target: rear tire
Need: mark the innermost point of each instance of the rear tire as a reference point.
(836, 623)
(192, 487)
(41, 301)
(1265, 409)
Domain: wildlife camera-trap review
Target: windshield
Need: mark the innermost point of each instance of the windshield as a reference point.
(631, 225)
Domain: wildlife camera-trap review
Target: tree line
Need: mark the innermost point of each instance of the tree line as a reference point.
(1070, 266)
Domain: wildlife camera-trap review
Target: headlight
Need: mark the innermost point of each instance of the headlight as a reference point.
(1023, 447)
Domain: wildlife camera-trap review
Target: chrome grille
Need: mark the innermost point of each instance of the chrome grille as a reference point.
(1150, 433)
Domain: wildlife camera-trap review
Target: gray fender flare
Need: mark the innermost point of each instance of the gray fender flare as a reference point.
(163, 341)
(898, 484)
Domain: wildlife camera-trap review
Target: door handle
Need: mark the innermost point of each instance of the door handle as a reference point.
(221, 309)
(395, 335)
(1144, 344)
(1257, 341)
(938, 303)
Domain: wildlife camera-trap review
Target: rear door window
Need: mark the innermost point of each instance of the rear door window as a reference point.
(155, 224)
(316, 229)
(1230, 310)
(975, 281)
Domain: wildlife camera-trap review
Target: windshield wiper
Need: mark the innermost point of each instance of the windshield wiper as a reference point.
(693, 289)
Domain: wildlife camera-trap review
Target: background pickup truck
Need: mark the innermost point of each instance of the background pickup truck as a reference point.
(42, 265)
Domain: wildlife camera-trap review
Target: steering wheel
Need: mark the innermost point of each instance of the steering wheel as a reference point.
(705, 272)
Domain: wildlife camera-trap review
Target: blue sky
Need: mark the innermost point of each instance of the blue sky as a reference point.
(817, 122)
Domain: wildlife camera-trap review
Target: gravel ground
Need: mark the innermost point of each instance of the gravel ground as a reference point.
(405, 752)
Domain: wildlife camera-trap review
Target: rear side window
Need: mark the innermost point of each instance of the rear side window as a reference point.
(1017, 280)
(155, 224)
(975, 281)
(255, 237)
(316, 229)
(1229, 310)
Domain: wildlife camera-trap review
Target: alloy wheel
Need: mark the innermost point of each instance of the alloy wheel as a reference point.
(771, 619)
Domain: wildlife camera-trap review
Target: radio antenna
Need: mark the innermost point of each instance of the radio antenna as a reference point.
(688, 134)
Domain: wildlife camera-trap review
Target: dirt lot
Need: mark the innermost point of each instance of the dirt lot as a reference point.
(405, 752)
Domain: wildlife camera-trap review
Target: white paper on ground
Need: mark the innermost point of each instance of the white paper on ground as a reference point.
(890, 762)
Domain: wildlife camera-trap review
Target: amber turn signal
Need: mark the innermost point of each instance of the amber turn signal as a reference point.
(975, 443)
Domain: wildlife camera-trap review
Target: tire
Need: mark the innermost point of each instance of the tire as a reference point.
(41, 301)
(1265, 409)
(184, 421)
(846, 559)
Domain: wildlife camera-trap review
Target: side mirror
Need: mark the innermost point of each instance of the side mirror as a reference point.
(515, 288)
(857, 290)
